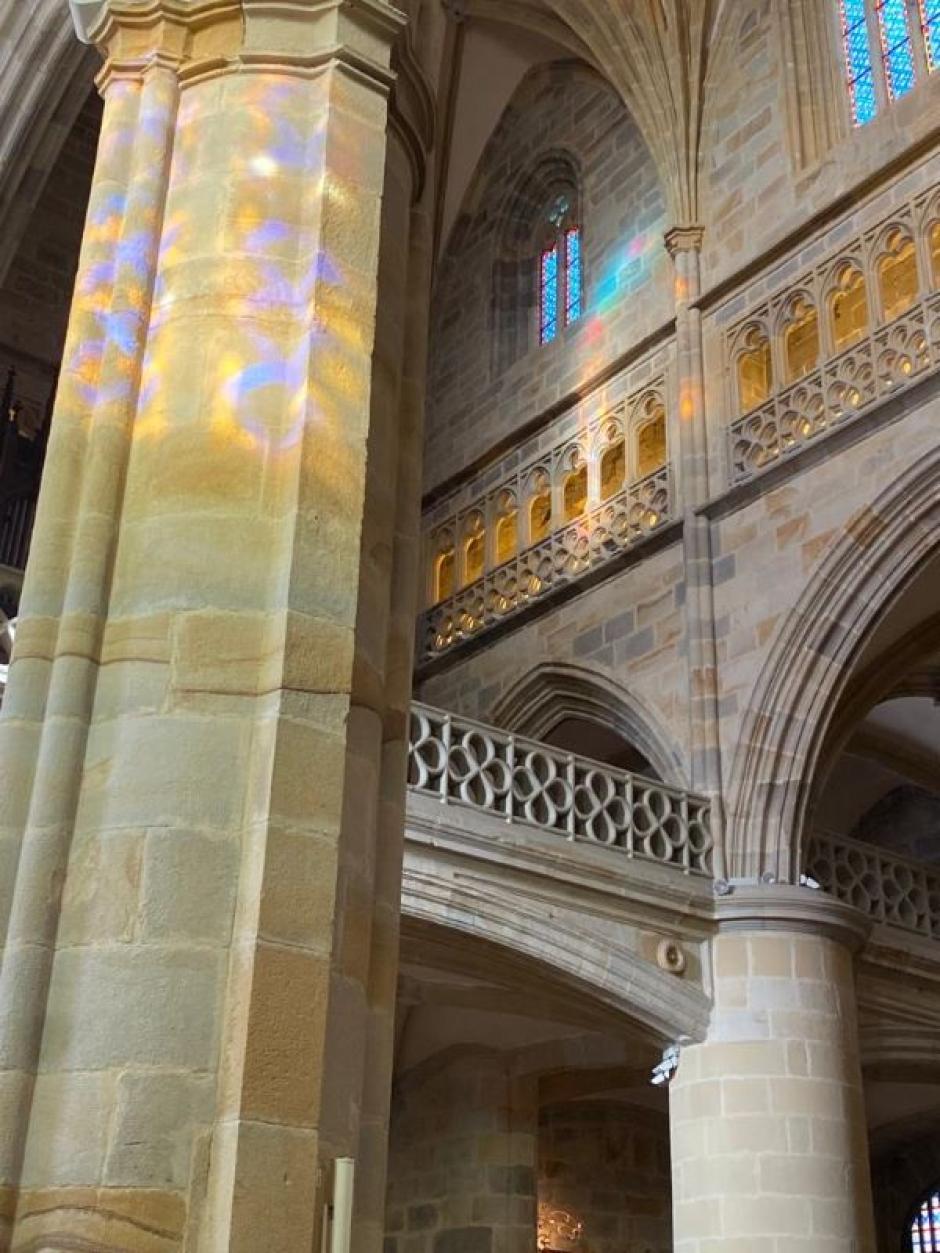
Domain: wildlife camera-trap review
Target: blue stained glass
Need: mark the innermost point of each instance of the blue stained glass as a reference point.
(930, 21)
(858, 61)
(864, 102)
(548, 296)
(572, 275)
(896, 47)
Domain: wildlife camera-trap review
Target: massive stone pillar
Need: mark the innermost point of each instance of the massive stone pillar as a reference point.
(769, 1144)
(203, 723)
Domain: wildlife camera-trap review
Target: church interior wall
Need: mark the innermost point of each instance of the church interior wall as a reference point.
(477, 1153)
(755, 189)
(767, 551)
(474, 401)
(630, 627)
(608, 1162)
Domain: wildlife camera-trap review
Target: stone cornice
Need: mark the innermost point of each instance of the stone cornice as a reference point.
(749, 906)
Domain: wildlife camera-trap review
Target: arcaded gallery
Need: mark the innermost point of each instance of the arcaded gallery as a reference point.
(470, 626)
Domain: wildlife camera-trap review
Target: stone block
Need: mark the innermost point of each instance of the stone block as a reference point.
(188, 888)
(464, 1240)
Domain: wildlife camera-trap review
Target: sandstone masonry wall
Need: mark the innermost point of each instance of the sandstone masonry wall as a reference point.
(627, 288)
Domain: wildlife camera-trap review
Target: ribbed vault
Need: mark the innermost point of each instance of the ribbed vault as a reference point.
(658, 54)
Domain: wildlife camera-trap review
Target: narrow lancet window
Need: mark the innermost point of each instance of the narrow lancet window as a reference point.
(896, 48)
(930, 25)
(548, 295)
(858, 61)
(887, 46)
(561, 277)
(572, 274)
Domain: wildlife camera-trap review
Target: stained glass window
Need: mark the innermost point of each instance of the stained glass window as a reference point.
(925, 1225)
(548, 296)
(896, 48)
(881, 61)
(858, 61)
(561, 278)
(572, 275)
(930, 25)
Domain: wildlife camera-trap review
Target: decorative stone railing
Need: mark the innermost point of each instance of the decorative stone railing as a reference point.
(462, 762)
(884, 886)
(872, 309)
(595, 539)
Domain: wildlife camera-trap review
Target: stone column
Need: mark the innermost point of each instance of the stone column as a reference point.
(685, 247)
(193, 730)
(406, 323)
(769, 1143)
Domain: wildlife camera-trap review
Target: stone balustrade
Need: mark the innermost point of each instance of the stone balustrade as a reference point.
(886, 887)
(463, 762)
(592, 541)
(859, 326)
(593, 483)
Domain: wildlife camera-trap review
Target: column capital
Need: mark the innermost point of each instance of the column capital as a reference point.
(205, 38)
(750, 906)
(684, 239)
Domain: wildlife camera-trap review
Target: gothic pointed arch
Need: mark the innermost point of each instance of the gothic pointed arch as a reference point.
(874, 562)
(549, 694)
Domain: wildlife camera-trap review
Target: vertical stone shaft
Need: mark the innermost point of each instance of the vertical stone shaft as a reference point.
(769, 1143)
(406, 559)
(49, 703)
(685, 246)
(224, 617)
